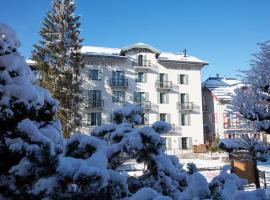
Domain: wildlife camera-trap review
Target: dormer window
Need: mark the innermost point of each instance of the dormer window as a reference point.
(140, 60)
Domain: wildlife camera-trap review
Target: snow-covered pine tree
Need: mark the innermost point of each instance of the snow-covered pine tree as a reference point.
(59, 60)
(253, 101)
(30, 137)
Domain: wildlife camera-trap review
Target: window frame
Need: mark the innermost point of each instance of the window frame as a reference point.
(116, 97)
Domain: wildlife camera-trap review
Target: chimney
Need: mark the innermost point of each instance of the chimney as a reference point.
(185, 52)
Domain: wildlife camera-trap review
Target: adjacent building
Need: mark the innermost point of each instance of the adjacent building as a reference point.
(167, 85)
(219, 120)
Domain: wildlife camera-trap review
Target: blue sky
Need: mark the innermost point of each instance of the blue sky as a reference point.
(223, 32)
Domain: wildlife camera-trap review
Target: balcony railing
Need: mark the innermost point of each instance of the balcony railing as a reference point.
(175, 129)
(96, 103)
(118, 82)
(185, 106)
(167, 85)
(143, 63)
(237, 125)
(145, 104)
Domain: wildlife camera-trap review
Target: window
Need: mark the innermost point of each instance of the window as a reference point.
(141, 77)
(140, 60)
(183, 79)
(94, 119)
(185, 119)
(94, 74)
(118, 96)
(118, 75)
(162, 98)
(145, 119)
(139, 96)
(162, 77)
(184, 97)
(162, 117)
(94, 97)
(184, 143)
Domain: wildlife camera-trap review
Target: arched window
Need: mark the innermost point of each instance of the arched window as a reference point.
(140, 60)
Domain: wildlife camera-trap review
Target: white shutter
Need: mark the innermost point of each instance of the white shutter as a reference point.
(99, 74)
(169, 143)
(158, 77)
(146, 118)
(158, 97)
(179, 142)
(167, 98)
(166, 77)
(189, 145)
(187, 81)
(187, 97)
(145, 77)
(188, 120)
(146, 96)
(158, 117)
(168, 118)
(178, 78)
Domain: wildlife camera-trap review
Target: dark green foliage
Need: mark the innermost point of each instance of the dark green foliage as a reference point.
(59, 61)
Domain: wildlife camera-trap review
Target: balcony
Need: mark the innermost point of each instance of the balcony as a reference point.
(164, 85)
(95, 103)
(185, 106)
(175, 129)
(123, 83)
(146, 105)
(143, 66)
(237, 125)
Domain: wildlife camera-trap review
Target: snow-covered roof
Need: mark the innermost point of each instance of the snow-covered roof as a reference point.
(162, 56)
(222, 88)
(105, 51)
(167, 56)
(141, 45)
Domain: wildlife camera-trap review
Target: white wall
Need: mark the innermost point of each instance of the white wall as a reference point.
(107, 65)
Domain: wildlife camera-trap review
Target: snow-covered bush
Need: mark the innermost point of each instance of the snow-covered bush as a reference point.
(30, 137)
(255, 149)
(225, 184)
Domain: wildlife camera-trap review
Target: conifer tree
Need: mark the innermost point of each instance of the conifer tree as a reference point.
(30, 137)
(59, 61)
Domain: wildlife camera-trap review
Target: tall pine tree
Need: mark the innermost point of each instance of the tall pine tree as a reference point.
(59, 61)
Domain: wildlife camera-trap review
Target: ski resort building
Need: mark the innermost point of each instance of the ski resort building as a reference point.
(167, 85)
(218, 119)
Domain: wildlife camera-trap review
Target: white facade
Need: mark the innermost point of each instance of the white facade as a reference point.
(167, 84)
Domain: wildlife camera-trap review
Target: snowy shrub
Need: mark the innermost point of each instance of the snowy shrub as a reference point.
(254, 148)
(191, 167)
(226, 184)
